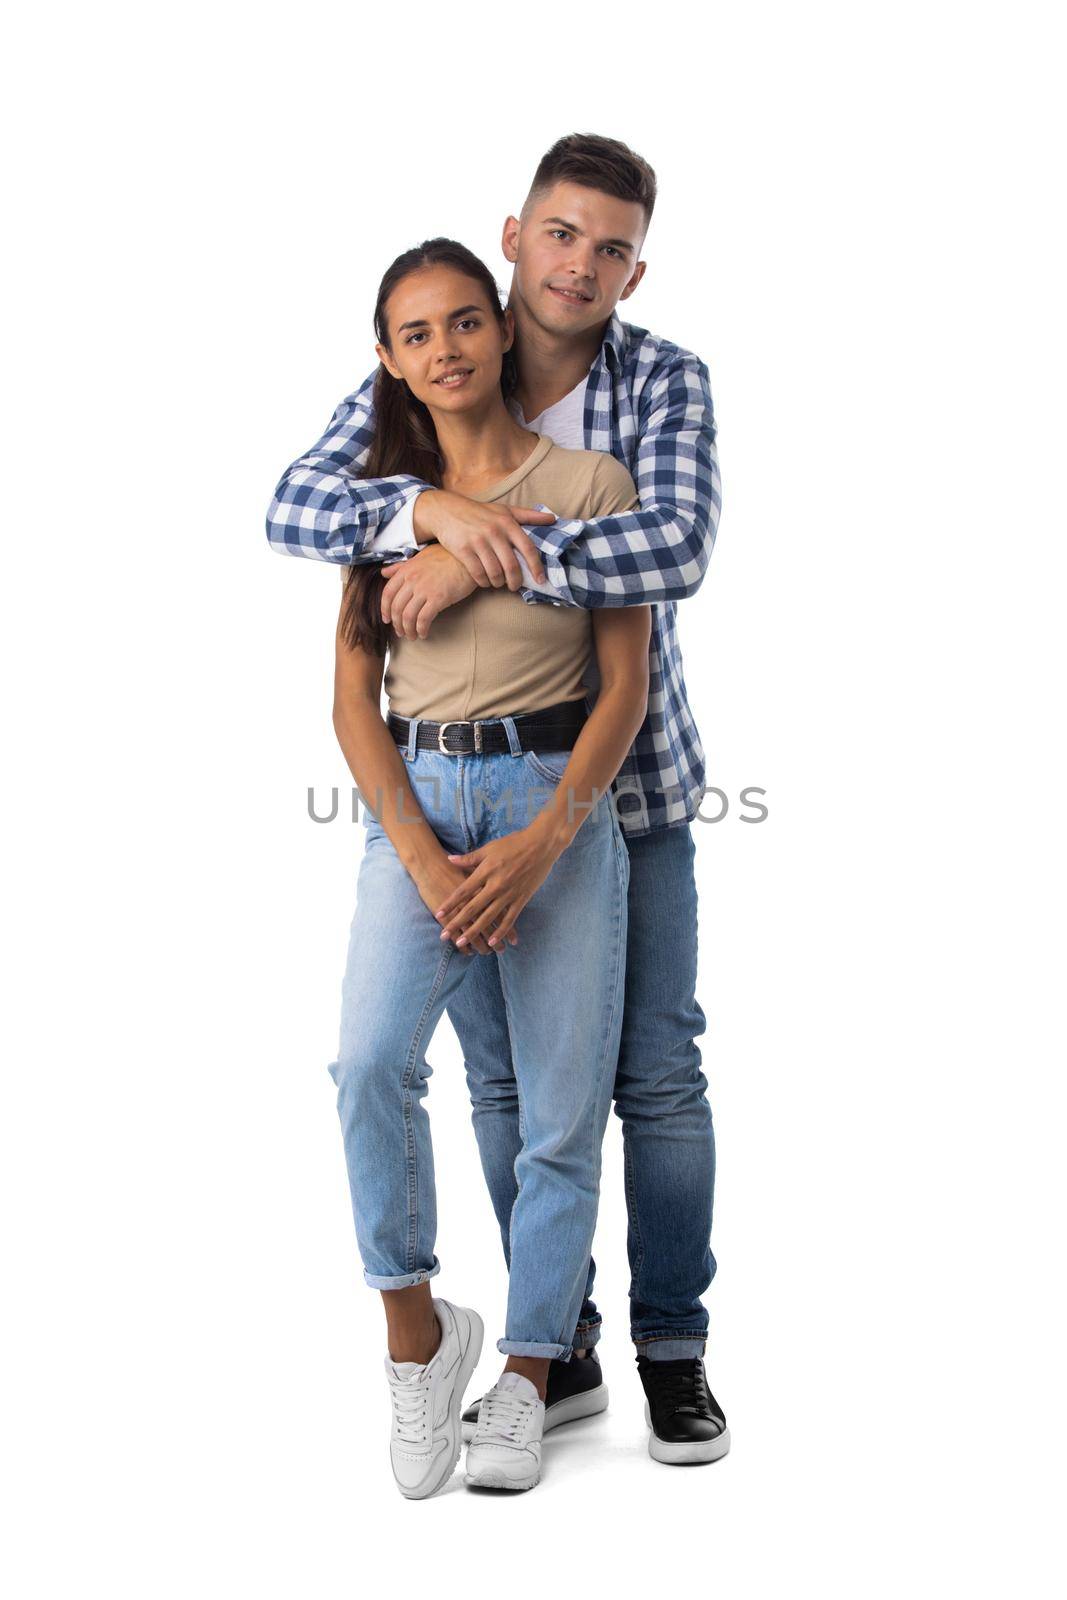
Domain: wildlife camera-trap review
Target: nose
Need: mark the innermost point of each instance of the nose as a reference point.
(447, 347)
(582, 260)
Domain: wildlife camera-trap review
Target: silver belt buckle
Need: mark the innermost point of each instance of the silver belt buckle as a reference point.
(441, 738)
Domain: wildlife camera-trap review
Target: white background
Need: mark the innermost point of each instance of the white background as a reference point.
(859, 230)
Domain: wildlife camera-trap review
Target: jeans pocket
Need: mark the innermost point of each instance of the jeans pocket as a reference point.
(548, 764)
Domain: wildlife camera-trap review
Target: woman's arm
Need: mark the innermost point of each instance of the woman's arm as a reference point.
(508, 871)
(381, 775)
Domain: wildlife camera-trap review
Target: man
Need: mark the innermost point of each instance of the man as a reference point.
(588, 381)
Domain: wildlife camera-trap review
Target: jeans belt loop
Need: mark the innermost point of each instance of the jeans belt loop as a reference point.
(514, 742)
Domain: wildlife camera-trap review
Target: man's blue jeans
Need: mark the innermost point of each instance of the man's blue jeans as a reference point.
(668, 1139)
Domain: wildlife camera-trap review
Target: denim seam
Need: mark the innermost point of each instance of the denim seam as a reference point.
(522, 1117)
(630, 1181)
(409, 1128)
(631, 1202)
(539, 1350)
(697, 1334)
(542, 771)
(622, 864)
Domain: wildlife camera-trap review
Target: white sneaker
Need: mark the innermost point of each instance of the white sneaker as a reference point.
(427, 1402)
(505, 1452)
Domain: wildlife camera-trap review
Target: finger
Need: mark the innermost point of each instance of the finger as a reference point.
(475, 915)
(530, 554)
(529, 515)
(454, 922)
(388, 595)
(458, 923)
(394, 597)
(488, 557)
(504, 551)
(477, 946)
(475, 897)
(472, 565)
(453, 913)
(461, 892)
(430, 610)
(410, 616)
(506, 929)
(497, 908)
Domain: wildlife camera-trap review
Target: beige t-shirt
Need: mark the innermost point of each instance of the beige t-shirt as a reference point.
(492, 654)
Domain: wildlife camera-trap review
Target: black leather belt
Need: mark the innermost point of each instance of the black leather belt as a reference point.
(554, 728)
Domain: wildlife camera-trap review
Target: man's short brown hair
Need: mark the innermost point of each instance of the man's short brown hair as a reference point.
(606, 165)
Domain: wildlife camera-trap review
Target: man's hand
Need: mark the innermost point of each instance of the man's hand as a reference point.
(483, 538)
(419, 589)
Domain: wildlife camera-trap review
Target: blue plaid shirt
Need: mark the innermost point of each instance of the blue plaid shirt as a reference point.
(648, 403)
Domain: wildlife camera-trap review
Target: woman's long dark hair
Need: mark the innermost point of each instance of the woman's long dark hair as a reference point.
(405, 441)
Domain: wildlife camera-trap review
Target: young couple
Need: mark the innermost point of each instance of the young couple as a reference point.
(517, 499)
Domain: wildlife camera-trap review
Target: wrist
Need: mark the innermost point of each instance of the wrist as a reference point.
(417, 846)
(422, 515)
(552, 830)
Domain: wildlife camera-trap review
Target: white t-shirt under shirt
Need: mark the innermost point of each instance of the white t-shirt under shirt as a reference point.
(563, 423)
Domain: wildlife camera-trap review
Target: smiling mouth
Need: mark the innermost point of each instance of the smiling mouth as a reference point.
(452, 380)
(575, 296)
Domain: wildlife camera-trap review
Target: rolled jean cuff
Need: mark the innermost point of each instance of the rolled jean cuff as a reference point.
(675, 1347)
(540, 1352)
(403, 1280)
(586, 1335)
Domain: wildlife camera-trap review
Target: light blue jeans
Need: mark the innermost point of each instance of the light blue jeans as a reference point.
(660, 1096)
(562, 988)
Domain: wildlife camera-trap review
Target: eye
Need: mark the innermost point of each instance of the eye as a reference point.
(613, 250)
(560, 233)
(468, 322)
(413, 336)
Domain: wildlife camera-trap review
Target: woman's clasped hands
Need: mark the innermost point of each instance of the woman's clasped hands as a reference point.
(501, 877)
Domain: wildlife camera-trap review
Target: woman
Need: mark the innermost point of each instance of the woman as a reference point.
(488, 743)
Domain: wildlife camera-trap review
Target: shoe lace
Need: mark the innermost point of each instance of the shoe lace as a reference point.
(679, 1386)
(411, 1409)
(502, 1417)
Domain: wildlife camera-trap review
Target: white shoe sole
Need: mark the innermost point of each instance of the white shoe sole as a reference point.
(465, 1371)
(500, 1480)
(572, 1409)
(680, 1455)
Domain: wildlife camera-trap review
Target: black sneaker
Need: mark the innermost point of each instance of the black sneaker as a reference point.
(685, 1420)
(576, 1388)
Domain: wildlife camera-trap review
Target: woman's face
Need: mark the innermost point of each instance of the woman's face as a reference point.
(444, 339)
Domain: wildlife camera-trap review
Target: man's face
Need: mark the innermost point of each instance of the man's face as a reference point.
(576, 256)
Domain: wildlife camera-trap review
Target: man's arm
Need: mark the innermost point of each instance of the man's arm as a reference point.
(660, 552)
(323, 510)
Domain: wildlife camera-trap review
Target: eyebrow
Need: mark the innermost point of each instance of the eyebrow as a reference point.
(572, 227)
(421, 322)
